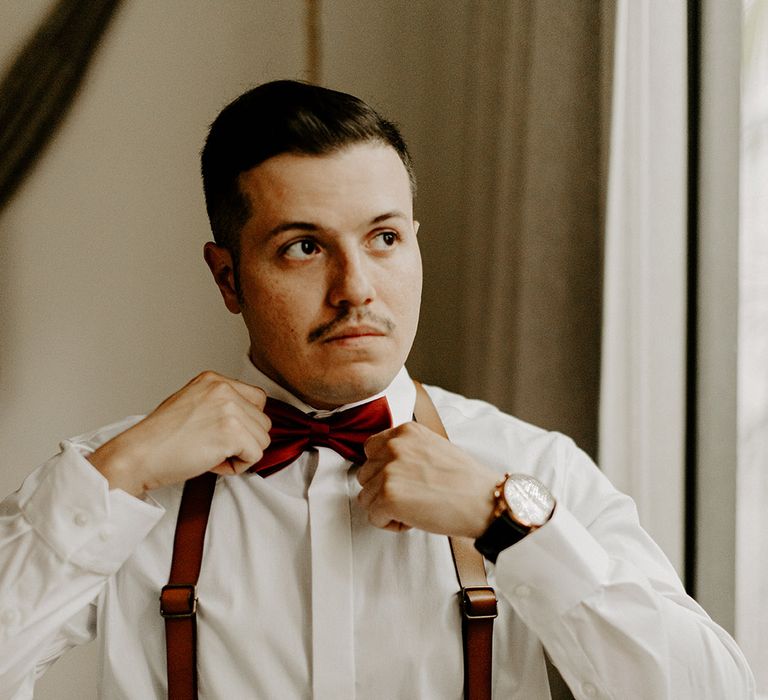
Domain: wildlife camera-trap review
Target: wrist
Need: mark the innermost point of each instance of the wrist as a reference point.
(120, 470)
(485, 512)
(522, 505)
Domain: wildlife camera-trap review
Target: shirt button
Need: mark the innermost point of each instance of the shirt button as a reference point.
(522, 591)
(81, 519)
(105, 534)
(589, 690)
(9, 617)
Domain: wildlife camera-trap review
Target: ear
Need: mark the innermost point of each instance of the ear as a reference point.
(222, 268)
(416, 227)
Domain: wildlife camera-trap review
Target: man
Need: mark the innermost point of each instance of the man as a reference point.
(331, 577)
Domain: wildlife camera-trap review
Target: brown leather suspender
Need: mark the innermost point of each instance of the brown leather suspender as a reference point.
(477, 600)
(178, 599)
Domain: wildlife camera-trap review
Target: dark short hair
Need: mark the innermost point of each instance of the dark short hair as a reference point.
(284, 116)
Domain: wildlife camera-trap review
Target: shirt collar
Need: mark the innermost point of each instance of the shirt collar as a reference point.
(400, 394)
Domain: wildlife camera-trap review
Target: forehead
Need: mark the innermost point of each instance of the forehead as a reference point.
(357, 182)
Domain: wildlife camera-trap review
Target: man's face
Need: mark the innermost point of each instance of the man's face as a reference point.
(330, 271)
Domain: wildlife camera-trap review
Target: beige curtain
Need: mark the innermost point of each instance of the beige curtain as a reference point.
(534, 123)
(643, 375)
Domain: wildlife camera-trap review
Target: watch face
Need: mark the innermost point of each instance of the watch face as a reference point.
(530, 503)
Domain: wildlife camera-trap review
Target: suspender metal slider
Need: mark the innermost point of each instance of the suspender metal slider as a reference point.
(178, 600)
(478, 603)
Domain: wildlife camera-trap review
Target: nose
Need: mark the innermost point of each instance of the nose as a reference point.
(350, 284)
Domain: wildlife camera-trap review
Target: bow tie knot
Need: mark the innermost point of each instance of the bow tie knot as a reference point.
(319, 430)
(345, 432)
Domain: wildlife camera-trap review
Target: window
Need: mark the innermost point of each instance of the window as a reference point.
(752, 493)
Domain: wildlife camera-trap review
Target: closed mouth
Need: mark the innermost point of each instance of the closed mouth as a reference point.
(351, 325)
(354, 332)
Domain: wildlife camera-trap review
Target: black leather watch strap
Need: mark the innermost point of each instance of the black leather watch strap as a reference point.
(501, 533)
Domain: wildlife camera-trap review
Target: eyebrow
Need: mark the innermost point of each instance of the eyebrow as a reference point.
(310, 227)
(396, 214)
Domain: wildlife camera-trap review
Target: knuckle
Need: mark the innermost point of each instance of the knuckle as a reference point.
(229, 424)
(370, 447)
(412, 429)
(219, 390)
(401, 437)
(206, 376)
(229, 408)
(387, 492)
(400, 431)
(397, 448)
(250, 457)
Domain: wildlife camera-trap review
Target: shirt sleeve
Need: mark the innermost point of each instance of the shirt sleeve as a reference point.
(62, 534)
(606, 604)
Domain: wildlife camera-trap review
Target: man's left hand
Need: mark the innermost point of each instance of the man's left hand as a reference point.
(416, 478)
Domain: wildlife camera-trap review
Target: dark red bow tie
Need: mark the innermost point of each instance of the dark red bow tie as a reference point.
(345, 432)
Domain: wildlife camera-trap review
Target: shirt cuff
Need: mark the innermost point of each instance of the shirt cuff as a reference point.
(554, 568)
(84, 521)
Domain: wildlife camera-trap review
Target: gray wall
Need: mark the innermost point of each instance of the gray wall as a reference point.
(408, 59)
(106, 302)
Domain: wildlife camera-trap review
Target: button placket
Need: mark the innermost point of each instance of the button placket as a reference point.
(333, 660)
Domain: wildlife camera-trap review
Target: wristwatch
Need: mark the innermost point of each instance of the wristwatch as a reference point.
(523, 504)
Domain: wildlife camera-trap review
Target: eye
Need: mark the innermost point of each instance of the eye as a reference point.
(384, 240)
(301, 250)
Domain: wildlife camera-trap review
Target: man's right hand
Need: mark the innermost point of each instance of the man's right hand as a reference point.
(212, 424)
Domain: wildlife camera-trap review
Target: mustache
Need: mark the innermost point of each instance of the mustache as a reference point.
(354, 317)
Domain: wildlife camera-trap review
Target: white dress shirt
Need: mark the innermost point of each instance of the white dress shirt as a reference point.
(300, 597)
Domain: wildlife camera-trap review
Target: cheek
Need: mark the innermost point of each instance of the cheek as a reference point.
(286, 314)
(271, 313)
(275, 323)
(408, 291)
